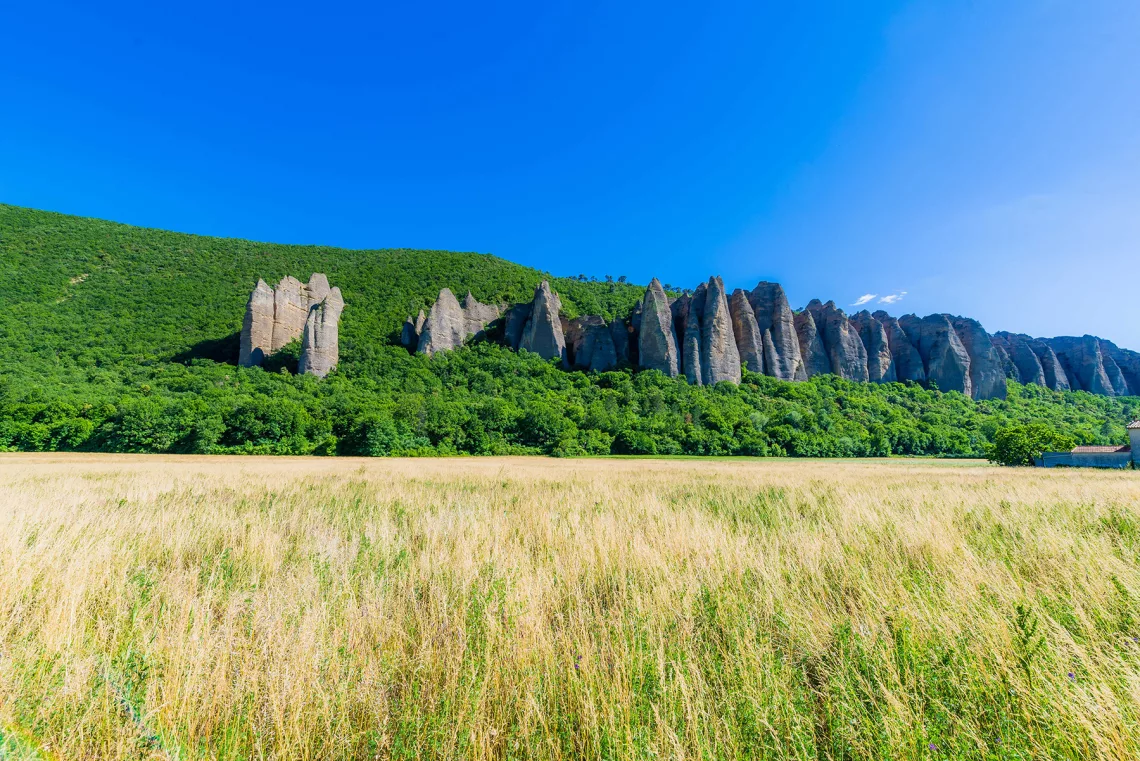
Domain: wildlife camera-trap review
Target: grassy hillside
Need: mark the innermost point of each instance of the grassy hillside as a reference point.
(118, 338)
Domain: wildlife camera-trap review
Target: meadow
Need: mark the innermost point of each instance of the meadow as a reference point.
(471, 608)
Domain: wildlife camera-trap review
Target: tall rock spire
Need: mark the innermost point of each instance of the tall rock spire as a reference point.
(543, 332)
(749, 339)
(656, 339)
(720, 359)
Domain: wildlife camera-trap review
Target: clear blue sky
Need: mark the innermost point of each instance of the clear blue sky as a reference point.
(982, 157)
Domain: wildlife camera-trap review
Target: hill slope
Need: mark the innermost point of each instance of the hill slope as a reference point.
(85, 292)
(123, 339)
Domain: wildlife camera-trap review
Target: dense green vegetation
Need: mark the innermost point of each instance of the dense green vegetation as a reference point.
(120, 338)
(1022, 444)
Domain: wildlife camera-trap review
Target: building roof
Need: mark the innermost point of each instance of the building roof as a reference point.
(1100, 449)
(1134, 425)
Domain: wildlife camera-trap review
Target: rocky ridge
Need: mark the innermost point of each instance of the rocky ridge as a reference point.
(708, 337)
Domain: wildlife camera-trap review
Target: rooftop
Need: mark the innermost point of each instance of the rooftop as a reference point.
(1134, 425)
(1101, 449)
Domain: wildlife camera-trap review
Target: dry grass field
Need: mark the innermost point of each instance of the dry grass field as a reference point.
(250, 608)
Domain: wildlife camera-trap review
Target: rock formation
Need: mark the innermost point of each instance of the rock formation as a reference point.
(946, 360)
(291, 302)
(445, 326)
(845, 350)
(413, 326)
(1055, 376)
(477, 317)
(1026, 365)
(691, 313)
(257, 327)
(749, 338)
(543, 332)
(590, 344)
(515, 324)
(320, 343)
(987, 376)
(448, 323)
(720, 359)
(812, 350)
(707, 336)
(656, 339)
(274, 318)
(1127, 361)
(772, 312)
(880, 361)
(904, 356)
(1083, 362)
(619, 334)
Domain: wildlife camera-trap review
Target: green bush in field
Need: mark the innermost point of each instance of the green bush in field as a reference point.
(1022, 444)
(118, 338)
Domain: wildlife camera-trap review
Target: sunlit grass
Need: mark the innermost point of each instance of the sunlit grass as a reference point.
(240, 608)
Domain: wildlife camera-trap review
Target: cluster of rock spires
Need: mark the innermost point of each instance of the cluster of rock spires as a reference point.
(276, 316)
(707, 336)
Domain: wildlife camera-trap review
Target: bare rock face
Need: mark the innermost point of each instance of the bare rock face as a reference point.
(720, 359)
(257, 327)
(812, 350)
(1083, 362)
(1127, 361)
(413, 326)
(590, 344)
(543, 332)
(275, 317)
(771, 359)
(619, 335)
(844, 346)
(317, 288)
(1055, 376)
(1026, 364)
(987, 376)
(880, 362)
(445, 326)
(656, 338)
(1007, 365)
(290, 311)
(515, 324)
(749, 338)
(476, 316)
(946, 359)
(320, 344)
(772, 312)
(904, 356)
(692, 314)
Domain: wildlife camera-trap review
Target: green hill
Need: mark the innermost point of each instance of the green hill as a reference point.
(122, 338)
(82, 293)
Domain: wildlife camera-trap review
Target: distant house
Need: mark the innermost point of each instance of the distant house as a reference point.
(1098, 456)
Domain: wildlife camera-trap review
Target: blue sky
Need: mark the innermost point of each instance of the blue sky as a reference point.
(981, 157)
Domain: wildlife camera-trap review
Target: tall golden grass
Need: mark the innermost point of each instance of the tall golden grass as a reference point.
(249, 608)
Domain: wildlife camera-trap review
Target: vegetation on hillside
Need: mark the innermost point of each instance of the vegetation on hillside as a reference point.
(117, 338)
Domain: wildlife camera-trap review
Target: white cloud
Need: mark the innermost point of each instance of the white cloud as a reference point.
(866, 297)
(893, 298)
